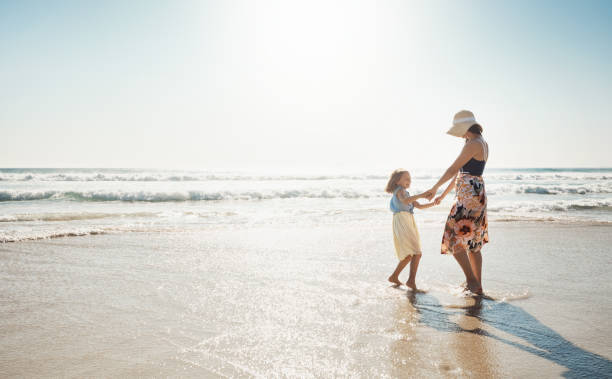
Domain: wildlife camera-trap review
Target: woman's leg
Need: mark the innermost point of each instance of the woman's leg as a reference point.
(476, 263)
(414, 266)
(473, 284)
(394, 278)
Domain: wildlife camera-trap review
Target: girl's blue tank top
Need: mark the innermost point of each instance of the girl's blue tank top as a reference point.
(397, 206)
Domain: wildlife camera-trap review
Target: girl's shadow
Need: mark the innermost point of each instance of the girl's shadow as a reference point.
(515, 321)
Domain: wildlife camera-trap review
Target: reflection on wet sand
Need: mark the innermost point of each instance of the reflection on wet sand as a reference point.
(472, 345)
(475, 354)
(408, 355)
(466, 353)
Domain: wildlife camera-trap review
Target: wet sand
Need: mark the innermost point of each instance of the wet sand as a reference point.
(304, 302)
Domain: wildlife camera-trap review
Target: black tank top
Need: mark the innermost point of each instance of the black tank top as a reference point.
(474, 166)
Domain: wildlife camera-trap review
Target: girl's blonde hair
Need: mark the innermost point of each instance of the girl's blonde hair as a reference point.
(395, 177)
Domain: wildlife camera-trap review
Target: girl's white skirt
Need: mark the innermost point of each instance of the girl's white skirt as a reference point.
(405, 235)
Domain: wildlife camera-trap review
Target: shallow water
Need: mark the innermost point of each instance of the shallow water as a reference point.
(262, 301)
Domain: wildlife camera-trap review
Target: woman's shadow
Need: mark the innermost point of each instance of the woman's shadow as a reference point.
(515, 321)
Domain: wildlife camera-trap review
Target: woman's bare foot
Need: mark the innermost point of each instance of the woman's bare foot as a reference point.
(411, 285)
(395, 280)
(475, 288)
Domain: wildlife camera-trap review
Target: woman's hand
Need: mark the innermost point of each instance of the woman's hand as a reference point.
(438, 200)
(430, 193)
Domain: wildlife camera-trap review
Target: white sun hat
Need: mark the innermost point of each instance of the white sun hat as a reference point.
(462, 121)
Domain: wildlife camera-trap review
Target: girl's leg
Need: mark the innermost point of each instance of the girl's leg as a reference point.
(394, 278)
(473, 284)
(476, 263)
(414, 266)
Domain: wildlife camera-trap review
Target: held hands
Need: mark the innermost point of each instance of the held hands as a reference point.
(430, 193)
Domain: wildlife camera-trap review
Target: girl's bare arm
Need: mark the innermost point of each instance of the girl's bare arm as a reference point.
(423, 206)
(401, 195)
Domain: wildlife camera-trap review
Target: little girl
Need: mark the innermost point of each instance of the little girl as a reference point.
(405, 233)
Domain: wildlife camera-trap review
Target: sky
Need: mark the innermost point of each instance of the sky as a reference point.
(349, 85)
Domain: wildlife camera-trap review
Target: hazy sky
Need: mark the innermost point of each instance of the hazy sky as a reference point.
(345, 84)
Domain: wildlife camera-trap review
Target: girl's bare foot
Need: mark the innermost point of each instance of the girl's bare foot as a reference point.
(395, 280)
(411, 285)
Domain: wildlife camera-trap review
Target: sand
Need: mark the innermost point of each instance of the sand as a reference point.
(304, 302)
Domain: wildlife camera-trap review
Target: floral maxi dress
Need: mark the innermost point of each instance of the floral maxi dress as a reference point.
(466, 226)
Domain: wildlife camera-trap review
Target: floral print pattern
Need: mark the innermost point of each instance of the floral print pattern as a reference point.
(466, 226)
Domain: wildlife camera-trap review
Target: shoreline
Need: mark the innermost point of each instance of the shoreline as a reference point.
(428, 224)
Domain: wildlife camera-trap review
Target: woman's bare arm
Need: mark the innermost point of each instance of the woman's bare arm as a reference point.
(448, 189)
(468, 152)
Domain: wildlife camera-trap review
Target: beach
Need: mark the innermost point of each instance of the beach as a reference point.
(293, 301)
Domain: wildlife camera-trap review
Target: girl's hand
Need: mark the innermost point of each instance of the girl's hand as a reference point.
(438, 200)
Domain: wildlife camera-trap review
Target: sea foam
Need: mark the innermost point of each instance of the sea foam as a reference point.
(145, 196)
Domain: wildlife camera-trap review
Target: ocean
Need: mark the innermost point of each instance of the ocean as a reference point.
(47, 203)
(219, 274)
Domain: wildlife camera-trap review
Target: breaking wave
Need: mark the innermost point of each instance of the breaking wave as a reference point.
(154, 177)
(6, 236)
(560, 206)
(556, 190)
(72, 216)
(183, 196)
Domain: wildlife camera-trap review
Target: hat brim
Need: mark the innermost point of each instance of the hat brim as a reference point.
(459, 130)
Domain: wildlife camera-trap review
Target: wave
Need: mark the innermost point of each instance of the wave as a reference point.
(555, 190)
(237, 177)
(551, 220)
(561, 206)
(315, 193)
(132, 175)
(559, 169)
(185, 178)
(6, 237)
(546, 177)
(164, 175)
(70, 216)
(26, 196)
(496, 189)
(49, 235)
(182, 196)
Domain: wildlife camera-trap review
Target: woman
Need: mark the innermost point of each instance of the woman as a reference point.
(466, 229)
